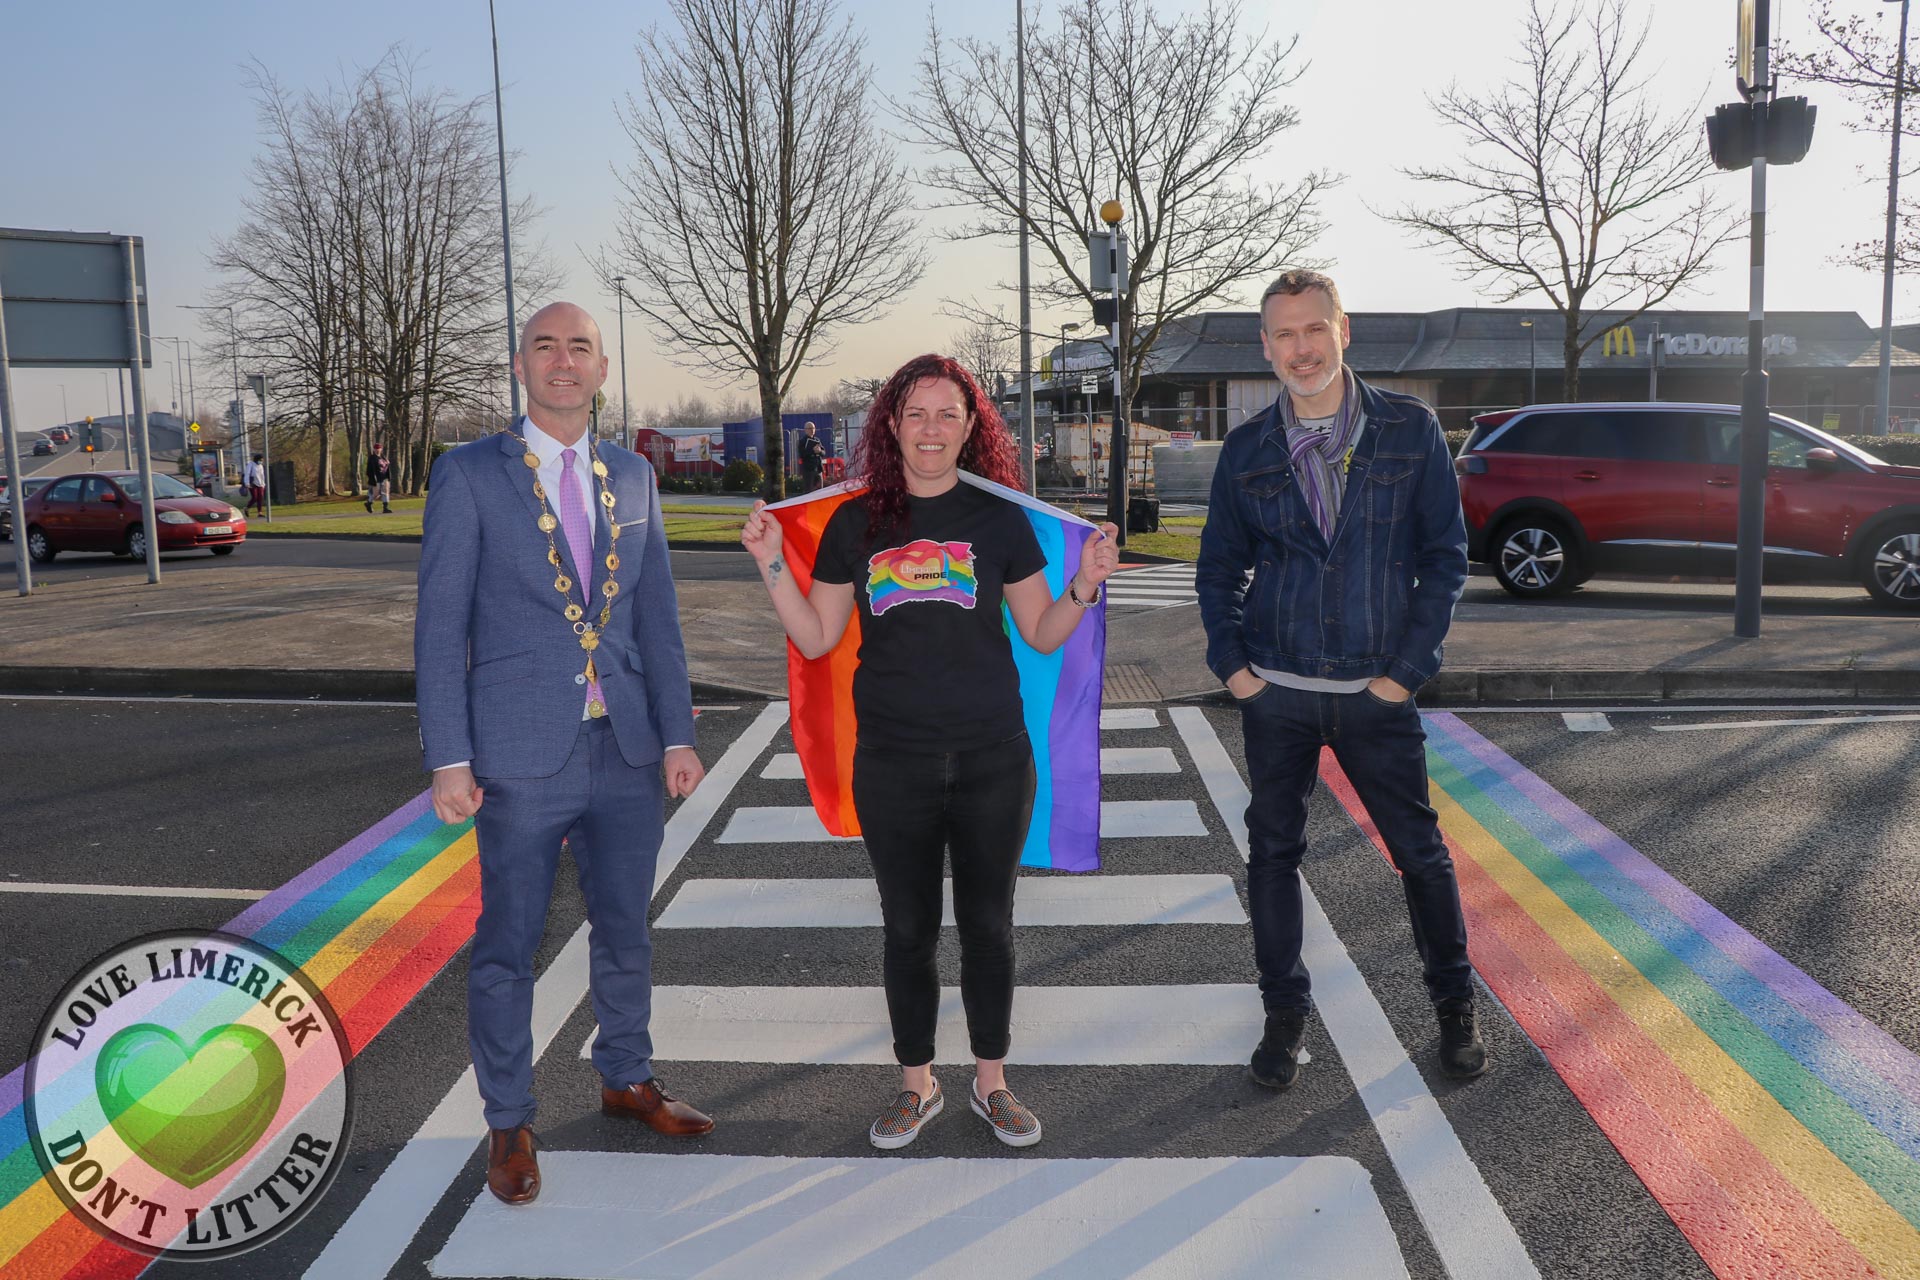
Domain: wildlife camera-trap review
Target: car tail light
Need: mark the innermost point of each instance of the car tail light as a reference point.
(1470, 464)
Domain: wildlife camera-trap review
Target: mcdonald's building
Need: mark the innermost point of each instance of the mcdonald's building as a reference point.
(1207, 374)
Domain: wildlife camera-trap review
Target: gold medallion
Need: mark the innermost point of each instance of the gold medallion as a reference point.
(547, 523)
(563, 584)
(532, 460)
(575, 612)
(592, 673)
(609, 589)
(553, 556)
(600, 468)
(596, 708)
(606, 499)
(613, 562)
(590, 640)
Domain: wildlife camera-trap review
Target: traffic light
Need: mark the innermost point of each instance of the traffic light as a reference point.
(89, 444)
(1789, 132)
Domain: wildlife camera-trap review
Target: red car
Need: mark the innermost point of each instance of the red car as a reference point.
(1556, 493)
(100, 511)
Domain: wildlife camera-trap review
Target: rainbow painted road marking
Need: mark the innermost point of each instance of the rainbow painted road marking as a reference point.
(1778, 1127)
(372, 924)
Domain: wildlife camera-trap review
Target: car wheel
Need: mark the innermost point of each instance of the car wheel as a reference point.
(221, 551)
(37, 545)
(1891, 572)
(1535, 557)
(137, 543)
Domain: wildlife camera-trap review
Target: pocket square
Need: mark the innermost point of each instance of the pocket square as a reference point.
(627, 524)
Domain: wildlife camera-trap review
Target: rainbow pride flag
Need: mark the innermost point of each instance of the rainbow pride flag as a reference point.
(1060, 691)
(371, 924)
(1778, 1128)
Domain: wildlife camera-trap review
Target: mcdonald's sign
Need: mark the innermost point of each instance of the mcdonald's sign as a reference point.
(1618, 341)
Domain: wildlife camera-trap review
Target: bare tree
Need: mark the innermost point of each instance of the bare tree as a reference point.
(989, 347)
(1575, 183)
(1168, 115)
(764, 211)
(1860, 57)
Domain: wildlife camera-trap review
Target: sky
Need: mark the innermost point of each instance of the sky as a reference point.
(135, 118)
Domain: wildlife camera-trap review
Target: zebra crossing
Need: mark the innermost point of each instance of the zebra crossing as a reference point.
(1134, 981)
(1157, 586)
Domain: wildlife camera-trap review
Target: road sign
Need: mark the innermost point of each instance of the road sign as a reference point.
(1089, 384)
(194, 427)
(1180, 439)
(65, 295)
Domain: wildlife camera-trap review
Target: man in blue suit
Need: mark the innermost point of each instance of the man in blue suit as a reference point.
(554, 705)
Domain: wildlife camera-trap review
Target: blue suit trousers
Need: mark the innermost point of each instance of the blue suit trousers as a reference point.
(611, 815)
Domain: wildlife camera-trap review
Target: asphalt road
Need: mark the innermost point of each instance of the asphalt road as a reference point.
(1800, 833)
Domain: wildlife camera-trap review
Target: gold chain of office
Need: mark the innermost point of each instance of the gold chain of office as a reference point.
(588, 632)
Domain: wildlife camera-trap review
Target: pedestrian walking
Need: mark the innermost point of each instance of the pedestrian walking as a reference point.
(254, 476)
(379, 479)
(1341, 501)
(813, 457)
(550, 708)
(942, 767)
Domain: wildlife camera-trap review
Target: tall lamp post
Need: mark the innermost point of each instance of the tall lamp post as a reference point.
(1883, 394)
(620, 304)
(233, 339)
(506, 229)
(1026, 299)
(1533, 366)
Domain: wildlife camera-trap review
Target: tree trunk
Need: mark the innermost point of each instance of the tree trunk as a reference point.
(773, 440)
(1570, 359)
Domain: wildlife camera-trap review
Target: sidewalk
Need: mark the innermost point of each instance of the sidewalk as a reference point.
(348, 633)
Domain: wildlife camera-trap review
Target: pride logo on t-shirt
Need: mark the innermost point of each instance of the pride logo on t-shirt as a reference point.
(921, 570)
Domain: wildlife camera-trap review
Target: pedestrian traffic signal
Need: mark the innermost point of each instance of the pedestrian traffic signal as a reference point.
(1788, 132)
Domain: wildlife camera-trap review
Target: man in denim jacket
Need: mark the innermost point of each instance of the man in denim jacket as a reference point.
(1341, 500)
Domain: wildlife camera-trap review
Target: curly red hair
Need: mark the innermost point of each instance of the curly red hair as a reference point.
(990, 451)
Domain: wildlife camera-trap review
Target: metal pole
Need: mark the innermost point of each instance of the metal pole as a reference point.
(266, 450)
(620, 304)
(126, 419)
(1883, 394)
(1117, 438)
(506, 230)
(1748, 556)
(66, 415)
(1026, 299)
(140, 414)
(1653, 364)
(22, 567)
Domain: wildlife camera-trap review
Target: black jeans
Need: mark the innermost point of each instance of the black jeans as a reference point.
(1382, 748)
(914, 810)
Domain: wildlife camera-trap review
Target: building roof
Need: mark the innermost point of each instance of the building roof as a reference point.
(1466, 340)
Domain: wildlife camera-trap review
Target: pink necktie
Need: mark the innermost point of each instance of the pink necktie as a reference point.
(579, 530)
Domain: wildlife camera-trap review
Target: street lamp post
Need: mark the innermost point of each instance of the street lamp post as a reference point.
(1883, 393)
(506, 227)
(620, 305)
(1026, 300)
(1533, 367)
(233, 338)
(65, 416)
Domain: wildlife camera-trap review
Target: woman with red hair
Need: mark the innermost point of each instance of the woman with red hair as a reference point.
(942, 766)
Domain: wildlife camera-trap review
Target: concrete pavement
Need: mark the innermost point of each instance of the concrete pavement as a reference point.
(304, 630)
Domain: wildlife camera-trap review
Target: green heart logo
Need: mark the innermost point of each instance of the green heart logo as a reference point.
(190, 1113)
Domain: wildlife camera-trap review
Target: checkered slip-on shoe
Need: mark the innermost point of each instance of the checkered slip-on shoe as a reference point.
(901, 1123)
(1012, 1123)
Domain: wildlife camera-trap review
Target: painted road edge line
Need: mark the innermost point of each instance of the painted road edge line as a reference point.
(372, 1239)
(131, 890)
(1470, 1231)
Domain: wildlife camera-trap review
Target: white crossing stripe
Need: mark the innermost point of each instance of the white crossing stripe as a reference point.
(1040, 900)
(1469, 1229)
(1054, 1026)
(1130, 718)
(1113, 760)
(1119, 819)
(1587, 721)
(641, 1216)
(1826, 721)
(1156, 587)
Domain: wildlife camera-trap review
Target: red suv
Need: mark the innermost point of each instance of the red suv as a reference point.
(100, 511)
(1556, 493)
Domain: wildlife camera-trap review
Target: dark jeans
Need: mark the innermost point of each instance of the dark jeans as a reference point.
(914, 810)
(1382, 748)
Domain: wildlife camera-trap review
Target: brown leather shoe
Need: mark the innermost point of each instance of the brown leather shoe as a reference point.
(513, 1171)
(646, 1103)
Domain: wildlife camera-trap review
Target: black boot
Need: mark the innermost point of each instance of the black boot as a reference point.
(369, 506)
(1462, 1053)
(1276, 1062)
(385, 510)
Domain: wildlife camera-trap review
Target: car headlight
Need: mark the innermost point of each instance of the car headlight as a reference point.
(234, 513)
(174, 517)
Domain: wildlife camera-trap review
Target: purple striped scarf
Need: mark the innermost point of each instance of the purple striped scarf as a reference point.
(1320, 457)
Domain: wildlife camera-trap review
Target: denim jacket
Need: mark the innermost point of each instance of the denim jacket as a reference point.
(1377, 599)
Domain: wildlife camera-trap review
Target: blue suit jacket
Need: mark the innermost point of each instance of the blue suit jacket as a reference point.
(495, 659)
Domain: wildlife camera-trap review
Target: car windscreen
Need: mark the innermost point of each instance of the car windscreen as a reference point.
(1839, 446)
(163, 487)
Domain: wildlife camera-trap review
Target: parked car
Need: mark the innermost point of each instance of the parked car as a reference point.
(28, 487)
(43, 447)
(1556, 493)
(100, 511)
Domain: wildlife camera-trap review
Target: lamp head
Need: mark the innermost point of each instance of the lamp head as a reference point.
(1112, 212)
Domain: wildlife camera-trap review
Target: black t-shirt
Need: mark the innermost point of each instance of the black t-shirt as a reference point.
(936, 667)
